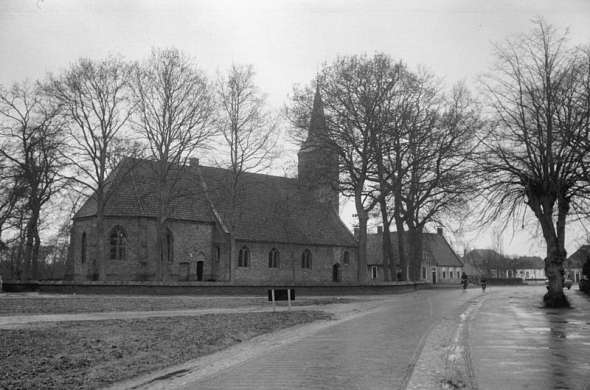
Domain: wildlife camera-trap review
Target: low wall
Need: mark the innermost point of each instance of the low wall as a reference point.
(505, 281)
(209, 288)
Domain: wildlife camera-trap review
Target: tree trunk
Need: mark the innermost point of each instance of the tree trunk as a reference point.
(35, 255)
(401, 249)
(415, 251)
(556, 255)
(555, 241)
(362, 248)
(99, 259)
(555, 273)
(386, 242)
(30, 271)
(160, 262)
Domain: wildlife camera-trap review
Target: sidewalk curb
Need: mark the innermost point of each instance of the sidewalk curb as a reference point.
(444, 361)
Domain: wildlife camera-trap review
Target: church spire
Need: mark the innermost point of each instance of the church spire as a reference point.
(318, 160)
(317, 131)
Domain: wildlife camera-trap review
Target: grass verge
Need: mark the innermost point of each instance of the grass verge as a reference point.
(51, 304)
(88, 355)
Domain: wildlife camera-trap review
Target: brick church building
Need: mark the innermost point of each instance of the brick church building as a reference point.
(274, 229)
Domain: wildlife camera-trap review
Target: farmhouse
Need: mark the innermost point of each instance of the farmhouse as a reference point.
(574, 264)
(439, 264)
(265, 229)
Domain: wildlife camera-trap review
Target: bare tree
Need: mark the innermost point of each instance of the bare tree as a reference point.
(437, 179)
(357, 92)
(95, 100)
(175, 110)
(538, 94)
(248, 129)
(33, 130)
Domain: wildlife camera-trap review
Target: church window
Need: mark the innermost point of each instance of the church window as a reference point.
(444, 274)
(83, 248)
(169, 246)
(346, 258)
(273, 258)
(118, 241)
(244, 257)
(306, 259)
(424, 273)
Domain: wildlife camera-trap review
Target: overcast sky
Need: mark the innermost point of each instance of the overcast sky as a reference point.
(286, 41)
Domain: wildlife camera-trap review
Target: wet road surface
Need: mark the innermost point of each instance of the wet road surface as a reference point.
(517, 344)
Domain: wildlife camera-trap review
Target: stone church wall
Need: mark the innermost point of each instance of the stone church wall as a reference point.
(192, 242)
(323, 259)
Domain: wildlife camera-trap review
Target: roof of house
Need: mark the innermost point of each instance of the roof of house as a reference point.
(435, 244)
(527, 262)
(267, 208)
(578, 258)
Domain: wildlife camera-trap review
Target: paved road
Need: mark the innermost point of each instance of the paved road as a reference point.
(373, 350)
(514, 343)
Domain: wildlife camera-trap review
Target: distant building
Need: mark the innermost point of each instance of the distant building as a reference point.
(491, 264)
(527, 268)
(439, 263)
(574, 264)
(274, 229)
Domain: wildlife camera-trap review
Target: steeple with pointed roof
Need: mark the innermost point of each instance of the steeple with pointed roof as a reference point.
(318, 159)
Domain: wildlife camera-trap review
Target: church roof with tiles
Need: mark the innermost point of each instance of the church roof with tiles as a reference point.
(266, 208)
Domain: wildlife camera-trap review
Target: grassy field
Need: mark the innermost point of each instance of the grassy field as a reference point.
(15, 304)
(92, 354)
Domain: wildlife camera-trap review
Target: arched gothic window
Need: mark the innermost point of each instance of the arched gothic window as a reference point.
(83, 249)
(273, 258)
(118, 242)
(244, 257)
(306, 259)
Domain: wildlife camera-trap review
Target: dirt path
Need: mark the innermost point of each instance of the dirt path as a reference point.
(25, 320)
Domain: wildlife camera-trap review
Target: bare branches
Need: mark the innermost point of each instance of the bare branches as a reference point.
(174, 112)
(535, 156)
(94, 96)
(32, 136)
(249, 131)
(174, 106)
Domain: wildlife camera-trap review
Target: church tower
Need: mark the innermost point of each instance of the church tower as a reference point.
(318, 159)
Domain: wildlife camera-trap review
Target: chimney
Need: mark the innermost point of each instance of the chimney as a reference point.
(379, 229)
(194, 162)
(439, 231)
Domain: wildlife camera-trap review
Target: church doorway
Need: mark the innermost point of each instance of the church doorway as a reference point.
(434, 276)
(336, 272)
(199, 271)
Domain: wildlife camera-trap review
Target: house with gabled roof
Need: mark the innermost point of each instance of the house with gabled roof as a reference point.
(270, 229)
(574, 265)
(439, 263)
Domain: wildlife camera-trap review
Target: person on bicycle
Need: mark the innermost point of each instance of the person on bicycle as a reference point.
(464, 280)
